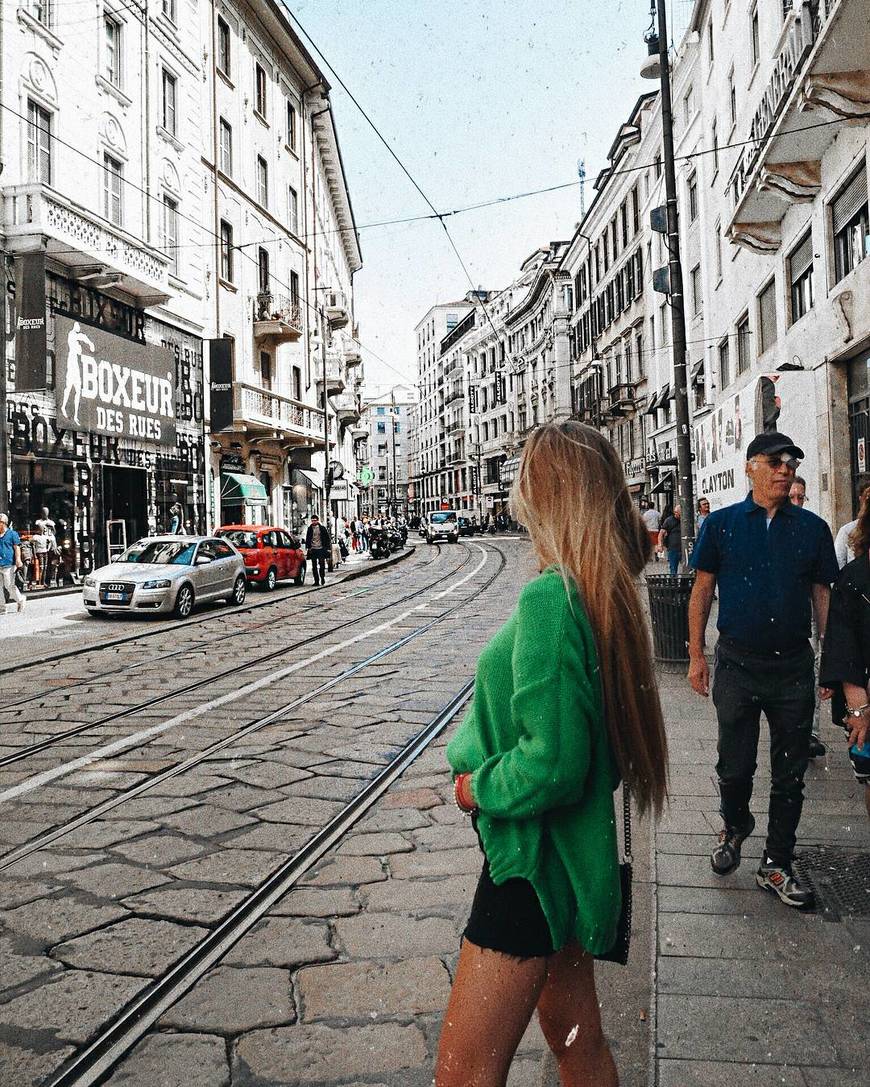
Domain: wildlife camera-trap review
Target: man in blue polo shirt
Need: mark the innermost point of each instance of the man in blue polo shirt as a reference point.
(773, 563)
(10, 561)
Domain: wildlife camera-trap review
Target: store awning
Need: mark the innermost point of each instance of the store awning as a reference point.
(236, 487)
(654, 402)
(508, 470)
(666, 483)
(698, 373)
(309, 476)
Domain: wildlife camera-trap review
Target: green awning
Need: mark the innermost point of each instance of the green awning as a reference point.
(236, 487)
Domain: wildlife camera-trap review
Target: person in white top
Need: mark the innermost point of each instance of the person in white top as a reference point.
(652, 519)
(841, 540)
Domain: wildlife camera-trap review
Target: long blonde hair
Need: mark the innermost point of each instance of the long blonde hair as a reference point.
(570, 493)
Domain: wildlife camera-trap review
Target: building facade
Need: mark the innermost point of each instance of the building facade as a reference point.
(385, 455)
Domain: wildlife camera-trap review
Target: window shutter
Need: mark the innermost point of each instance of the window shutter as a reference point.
(850, 201)
(801, 259)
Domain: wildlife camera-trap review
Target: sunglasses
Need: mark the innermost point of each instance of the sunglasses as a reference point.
(792, 463)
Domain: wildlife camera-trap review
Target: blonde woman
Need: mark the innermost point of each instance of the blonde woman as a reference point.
(565, 705)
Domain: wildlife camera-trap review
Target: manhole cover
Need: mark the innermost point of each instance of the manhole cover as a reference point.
(840, 878)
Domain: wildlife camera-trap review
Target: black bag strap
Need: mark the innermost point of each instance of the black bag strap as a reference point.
(626, 823)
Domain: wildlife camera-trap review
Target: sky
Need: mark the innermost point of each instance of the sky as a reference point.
(479, 100)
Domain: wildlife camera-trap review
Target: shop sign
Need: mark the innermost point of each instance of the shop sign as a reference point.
(783, 402)
(109, 385)
(791, 57)
(862, 455)
(221, 388)
(633, 468)
(29, 309)
(84, 303)
(233, 462)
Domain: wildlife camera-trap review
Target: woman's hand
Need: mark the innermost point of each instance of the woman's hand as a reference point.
(858, 727)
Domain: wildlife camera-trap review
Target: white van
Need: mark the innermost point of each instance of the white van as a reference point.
(442, 525)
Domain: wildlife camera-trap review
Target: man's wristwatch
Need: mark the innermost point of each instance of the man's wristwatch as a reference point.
(859, 711)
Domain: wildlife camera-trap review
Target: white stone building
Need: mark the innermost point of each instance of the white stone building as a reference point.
(386, 451)
(280, 285)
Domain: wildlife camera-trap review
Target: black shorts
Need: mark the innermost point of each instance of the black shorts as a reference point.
(508, 918)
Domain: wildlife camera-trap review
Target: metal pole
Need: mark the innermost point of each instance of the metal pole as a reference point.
(4, 423)
(327, 477)
(685, 484)
(393, 431)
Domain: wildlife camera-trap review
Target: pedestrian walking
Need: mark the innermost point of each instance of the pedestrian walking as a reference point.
(318, 548)
(774, 563)
(653, 520)
(797, 495)
(845, 661)
(841, 543)
(565, 704)
(671, 539)
(702, 514)
(10, 562)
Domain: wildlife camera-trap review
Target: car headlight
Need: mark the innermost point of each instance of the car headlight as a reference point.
(90, 582)
(163, 583)
(254, 570)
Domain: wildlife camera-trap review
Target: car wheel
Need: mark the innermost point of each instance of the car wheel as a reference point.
(300, 577)
(240, 590)
(183, 602)
(271, 579)
(429, 540)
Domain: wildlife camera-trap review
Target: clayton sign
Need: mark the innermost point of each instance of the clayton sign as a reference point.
(109, 385)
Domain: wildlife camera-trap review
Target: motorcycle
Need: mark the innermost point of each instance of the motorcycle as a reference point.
(379, 544)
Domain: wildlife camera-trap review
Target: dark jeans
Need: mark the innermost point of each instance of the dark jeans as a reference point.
(674, 556)
(318, 566)
(783, 688)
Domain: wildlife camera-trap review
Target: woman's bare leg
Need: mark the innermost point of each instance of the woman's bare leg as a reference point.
(571, 1020)
(493, 998)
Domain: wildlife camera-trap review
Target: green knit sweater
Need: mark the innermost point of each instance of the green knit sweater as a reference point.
(536, 743)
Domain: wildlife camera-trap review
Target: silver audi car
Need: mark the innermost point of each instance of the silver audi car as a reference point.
(167, 574)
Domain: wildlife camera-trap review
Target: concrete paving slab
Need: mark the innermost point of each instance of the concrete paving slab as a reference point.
(157, 1059)
(359, 991)
(22, 1067)
(134, 946)
(235, 999)
(283, 941)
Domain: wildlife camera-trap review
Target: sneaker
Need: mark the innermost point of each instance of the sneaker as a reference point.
(817, 748)
(780, 879)
(726, 856)
(21, 603)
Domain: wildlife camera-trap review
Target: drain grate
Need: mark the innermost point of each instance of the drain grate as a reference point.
(840, 878)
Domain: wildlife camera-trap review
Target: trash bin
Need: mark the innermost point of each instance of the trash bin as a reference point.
(669, 613)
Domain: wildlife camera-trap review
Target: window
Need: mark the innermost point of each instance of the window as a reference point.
(800, 273)
(693, 197)
(296, 382)
(710, 50)
(226, 148)
(38, 144)
(743, 344)
(658, 166)
(170, 101)
(381, 428)
(265, 370)
(226, 251)
(112, 68)
(380, 411)
(850, 225)
(224, 57)
(42, 11)
(715, 142)
(732, 98)
(169, 231)
(262, 182)
(635, 210)
(718, 251)
(293, 210)
(697, 297)
(688, 106)
(294, 288)
(724, 364)
(291, 126)
(767, 317)
(754, 40)
(169, 9)
(112, 202)
(263, 270)
(260, 89)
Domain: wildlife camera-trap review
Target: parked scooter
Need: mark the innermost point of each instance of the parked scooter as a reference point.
(379, 543)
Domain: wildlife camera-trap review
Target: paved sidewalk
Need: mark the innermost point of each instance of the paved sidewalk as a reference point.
(749, 990)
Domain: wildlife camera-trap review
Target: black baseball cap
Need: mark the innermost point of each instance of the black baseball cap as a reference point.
(774, 442)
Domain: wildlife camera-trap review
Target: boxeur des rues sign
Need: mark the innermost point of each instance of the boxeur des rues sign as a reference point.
(110, 385)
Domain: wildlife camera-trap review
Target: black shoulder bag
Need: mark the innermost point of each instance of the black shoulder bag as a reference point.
(619, 951)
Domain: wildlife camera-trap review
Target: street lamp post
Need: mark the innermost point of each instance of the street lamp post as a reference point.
(685, 483)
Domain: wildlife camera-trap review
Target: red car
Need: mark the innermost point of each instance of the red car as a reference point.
(271, 554)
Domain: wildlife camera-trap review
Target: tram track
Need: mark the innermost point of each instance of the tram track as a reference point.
(162, 628)
(53, 835)
(117, 1038)
(56, 739)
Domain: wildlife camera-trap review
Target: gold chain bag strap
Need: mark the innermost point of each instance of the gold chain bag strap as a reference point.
(619, 951)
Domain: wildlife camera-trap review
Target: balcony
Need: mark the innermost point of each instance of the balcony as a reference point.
(621, 399)
(456, 393)
(336, 310)
(277, 319)
(352, 354)
(455, 426)
(260, 412)
(346, 407)
(589, 414)
(335, 379)
(359, 433)
(84, 244)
